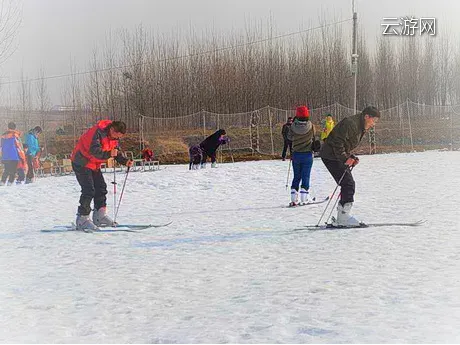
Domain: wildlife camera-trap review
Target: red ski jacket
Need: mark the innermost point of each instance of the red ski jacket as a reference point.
(94, 146)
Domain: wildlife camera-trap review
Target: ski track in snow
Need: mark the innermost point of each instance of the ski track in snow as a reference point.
(230, 268)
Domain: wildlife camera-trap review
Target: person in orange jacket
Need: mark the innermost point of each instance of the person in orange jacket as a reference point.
(22, 165)
(93, 148)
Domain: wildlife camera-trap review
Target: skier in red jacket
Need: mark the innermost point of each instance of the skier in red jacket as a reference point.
(93, 148)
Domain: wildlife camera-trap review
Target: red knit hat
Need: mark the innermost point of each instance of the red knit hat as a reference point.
(302, 112)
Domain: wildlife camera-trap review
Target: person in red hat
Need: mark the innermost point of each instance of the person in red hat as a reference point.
(93, 148)
(301, 134)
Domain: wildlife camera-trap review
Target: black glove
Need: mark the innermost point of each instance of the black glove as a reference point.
(316, 145)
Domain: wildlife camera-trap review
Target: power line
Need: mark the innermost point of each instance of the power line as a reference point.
(178, 57)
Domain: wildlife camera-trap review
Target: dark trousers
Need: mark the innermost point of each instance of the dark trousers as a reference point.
(196, 155)
(92, 186)
(301, 164)
(30, 172)
(21, 175)
(206, 155)
(9, 172)
(287, 143)
(347, 185)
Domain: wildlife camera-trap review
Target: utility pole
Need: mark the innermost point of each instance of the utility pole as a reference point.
(354, 56)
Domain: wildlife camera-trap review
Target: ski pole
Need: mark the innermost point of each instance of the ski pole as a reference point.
(121, 194)
(114, 182)
(333, 207)
(289, 170)
(333, 193)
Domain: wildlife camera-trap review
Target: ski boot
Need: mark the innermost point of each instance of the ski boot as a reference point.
(84, 223)
(100, 218)
(305, 197)
(294, 198)
(344, 219)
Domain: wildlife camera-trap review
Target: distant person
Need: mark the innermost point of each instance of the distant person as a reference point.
(196, 156)
(22, 165)
(33, 152)
(147, 154)
(208, 148)
(327, 124)
(10, 151)
(287, 142)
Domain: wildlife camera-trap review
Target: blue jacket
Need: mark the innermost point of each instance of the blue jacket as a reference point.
(32, 142)
(10, 145)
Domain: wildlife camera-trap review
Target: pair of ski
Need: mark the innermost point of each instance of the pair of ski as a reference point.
(108, 229)
(330, 226)
(313, 202)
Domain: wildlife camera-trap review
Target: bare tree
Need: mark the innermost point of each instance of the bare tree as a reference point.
(408, 70)
(76, 99)
(110, 77)
(94, 86)
(445, 69)
(385, 74)
(44, 103)
(456, 79)
(428, 79)
(25, 101)
(365, 82)
(10, 20)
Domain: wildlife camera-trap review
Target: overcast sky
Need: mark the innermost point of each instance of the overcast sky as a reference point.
(54, 30)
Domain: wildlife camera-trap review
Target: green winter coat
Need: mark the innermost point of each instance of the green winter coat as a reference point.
(343, 139)
(301, 134)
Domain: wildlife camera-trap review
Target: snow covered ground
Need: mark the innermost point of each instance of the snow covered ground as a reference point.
(230, 268)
